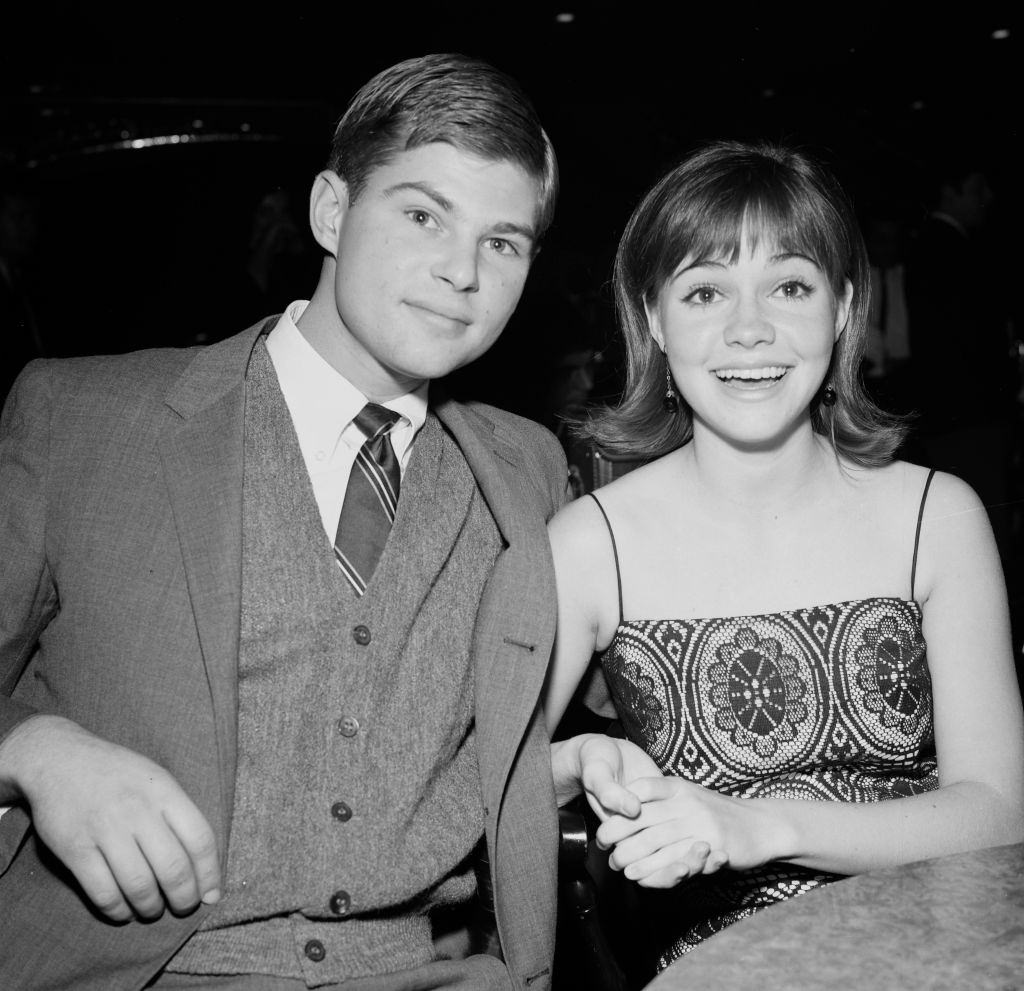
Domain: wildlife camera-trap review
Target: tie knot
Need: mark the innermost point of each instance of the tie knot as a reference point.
(374, 420)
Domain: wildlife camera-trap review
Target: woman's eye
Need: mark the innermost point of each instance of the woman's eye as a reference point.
(702, 295)
(795, 289)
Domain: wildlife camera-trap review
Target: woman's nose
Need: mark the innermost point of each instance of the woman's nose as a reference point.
(749, 325)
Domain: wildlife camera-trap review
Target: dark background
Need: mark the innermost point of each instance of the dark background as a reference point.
(145, 246)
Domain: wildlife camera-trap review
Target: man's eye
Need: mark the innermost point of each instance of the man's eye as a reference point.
(503, 247)
(420, 217)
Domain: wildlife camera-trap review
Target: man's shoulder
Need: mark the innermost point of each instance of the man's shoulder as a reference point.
(147, 372)
(530, 448)
(502, 419)
(526, 436)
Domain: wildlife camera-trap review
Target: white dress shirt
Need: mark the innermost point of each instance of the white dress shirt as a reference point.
(323, 404)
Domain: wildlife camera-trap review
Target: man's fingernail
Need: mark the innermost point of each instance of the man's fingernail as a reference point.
(212, 896)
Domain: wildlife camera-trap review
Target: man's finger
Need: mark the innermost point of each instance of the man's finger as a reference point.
(196, 837)
(135, 878)
(172, 868)
(93, 874)
(609, 798)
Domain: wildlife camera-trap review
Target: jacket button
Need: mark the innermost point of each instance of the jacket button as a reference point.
(341, 812)
(314, 949)
(361, 635)
(348, 726)
(340, 903)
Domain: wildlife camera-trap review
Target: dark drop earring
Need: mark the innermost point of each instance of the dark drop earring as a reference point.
(670, 403)
(828, 396)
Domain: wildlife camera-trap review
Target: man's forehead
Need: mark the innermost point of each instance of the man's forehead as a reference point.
(459, 180)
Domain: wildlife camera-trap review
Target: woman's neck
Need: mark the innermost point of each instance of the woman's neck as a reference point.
(762, 481)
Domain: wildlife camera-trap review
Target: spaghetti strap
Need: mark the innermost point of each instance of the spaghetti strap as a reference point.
(917, 535)
(615, 550)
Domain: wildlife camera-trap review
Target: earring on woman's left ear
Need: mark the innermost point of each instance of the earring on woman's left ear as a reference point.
(671, 402)
(828, 395)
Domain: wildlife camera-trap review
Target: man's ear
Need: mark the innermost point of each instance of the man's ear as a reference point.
(843, 304)
(654, 324)
(328, 206)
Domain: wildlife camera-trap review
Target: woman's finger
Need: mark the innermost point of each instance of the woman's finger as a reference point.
(670, 864)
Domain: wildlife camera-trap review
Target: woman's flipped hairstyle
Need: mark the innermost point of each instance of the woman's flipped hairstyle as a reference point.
(702, 209)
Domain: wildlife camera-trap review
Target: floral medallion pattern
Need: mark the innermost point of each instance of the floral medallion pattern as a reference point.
(637, 693)
(829, 703)
(757, 692)
(893, 675)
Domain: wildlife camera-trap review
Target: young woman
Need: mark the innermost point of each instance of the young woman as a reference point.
(808, 639)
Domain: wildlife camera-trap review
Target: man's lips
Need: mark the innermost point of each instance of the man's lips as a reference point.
(440, 313)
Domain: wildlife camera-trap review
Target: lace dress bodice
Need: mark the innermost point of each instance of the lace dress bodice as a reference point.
(828, 703)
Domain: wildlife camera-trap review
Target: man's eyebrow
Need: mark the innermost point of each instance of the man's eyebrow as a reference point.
(523, 230)
(427, 190)
(502, 227)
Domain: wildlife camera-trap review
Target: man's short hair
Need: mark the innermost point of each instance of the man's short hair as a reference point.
(452, 98)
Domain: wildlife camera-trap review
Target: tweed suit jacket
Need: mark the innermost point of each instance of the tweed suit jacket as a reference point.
(120, 592)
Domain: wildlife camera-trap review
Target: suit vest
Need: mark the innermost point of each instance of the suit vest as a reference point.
(357, 801)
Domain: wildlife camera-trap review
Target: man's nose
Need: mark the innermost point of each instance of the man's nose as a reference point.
(458, 265)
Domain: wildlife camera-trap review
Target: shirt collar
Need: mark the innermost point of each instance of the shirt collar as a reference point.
(321, 400)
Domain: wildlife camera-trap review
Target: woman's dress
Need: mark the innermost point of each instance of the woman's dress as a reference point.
(828, 703)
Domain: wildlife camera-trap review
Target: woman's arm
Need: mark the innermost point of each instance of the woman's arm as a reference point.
(979, 735)
(585, 579)
(587, 616)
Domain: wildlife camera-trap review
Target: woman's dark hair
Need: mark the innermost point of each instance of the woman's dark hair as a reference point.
(702, 209)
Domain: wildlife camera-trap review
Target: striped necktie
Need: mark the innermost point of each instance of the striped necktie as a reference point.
(370, 499)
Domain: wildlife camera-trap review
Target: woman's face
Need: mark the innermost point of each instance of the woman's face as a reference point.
(749, 342)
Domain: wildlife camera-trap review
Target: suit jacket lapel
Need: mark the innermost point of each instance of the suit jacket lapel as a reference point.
(201, 449)
(436, 495)
(515, 625)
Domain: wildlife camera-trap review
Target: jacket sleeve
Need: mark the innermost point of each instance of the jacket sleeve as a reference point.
(28, 596)
(552, 470)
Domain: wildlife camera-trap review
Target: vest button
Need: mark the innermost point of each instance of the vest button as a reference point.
(361, 635)
(341, 812)
(340, 903)
(314, 949)
(348, 726)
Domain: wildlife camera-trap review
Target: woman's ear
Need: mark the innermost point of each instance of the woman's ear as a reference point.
(328, 207)
(843, 305)
(654, 324)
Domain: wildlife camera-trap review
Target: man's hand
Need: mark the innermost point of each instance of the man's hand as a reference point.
(603, 767)
(120, 823)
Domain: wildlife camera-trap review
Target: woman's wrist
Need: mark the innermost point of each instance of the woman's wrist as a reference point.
(778, 829)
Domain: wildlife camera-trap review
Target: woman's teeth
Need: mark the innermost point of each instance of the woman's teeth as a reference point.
(771, 372)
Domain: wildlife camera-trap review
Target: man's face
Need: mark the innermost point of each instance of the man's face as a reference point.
(431, 257)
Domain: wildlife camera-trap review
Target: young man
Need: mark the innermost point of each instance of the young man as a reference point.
(276, 616)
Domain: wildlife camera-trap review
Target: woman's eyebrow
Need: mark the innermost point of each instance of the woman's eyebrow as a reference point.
(786, 256)
(698, 263)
